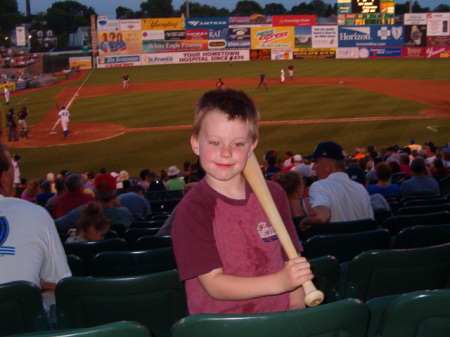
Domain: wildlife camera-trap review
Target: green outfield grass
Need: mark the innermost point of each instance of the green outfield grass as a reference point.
(160, 149)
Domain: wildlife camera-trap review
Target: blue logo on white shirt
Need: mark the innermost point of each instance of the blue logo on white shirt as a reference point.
(4, 232)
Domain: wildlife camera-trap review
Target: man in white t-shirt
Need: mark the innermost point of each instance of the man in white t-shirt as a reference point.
(335, 197)
(30, 247)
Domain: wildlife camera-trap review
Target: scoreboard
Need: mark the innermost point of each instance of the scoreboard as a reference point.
(366, 19)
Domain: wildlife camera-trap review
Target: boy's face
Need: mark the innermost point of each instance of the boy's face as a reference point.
(223, 147)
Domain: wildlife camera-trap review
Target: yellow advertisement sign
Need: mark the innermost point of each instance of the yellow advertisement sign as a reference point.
(163, 24)
(84, 62)
(272, 37)
(119, 43)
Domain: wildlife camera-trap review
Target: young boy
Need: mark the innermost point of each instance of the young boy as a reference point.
(226, 249)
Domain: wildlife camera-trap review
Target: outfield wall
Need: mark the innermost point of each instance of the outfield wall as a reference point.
(134, 42)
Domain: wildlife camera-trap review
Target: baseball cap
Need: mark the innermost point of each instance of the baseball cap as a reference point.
(329, 149)
(297, 157)
(105, 182)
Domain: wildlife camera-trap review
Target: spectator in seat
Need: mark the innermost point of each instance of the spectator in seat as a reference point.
(335, 197)
(105, 196)
(420, 183)
(35, 252)
(136, 202)
(92, 226)
(383, 186)
(73, 197)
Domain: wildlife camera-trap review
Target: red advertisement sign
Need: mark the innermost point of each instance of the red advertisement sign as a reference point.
(438, 53)
(414, 52)
(293, 20)
(197, 34)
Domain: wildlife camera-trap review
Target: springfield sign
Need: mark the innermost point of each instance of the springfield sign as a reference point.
(273, 37)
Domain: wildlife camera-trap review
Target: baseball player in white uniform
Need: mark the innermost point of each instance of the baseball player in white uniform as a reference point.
(6, 91)
(282, 77)
(64, 119)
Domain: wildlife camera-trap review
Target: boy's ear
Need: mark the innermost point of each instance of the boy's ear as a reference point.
(195, 145)
(252, 148)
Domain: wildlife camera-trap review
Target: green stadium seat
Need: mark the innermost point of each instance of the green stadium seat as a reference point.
(396, 223)
(339, 228)
(422, 236)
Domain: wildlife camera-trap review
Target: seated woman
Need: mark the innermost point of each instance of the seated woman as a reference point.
(292, 183)
(384, 187)
(92, 226)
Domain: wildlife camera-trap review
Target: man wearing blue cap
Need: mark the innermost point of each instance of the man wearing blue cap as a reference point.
(334, 197)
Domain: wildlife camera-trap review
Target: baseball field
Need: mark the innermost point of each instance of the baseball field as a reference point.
(353, 102)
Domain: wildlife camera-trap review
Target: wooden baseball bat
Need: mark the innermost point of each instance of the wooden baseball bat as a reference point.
(257, 182)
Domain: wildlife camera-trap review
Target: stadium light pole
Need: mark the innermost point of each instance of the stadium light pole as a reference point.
(410, 6)
(187, 8)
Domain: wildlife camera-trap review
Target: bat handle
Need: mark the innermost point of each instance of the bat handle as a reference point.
(313, 297)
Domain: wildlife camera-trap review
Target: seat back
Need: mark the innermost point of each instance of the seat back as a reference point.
(396, 223)
(339, 228)
(76, 265)
(326, 276)
(343, 318)
(117, 329)
(418, 197)
(346, 246)
(118, 228)
(162, 206)
(411, 210)
(387, 272)
(418, 314)
(132, 234)
(398, 178)
(117, 264)
(422, 236)
(87, 250)
(153, 242)
(425, 202)
(155, 300)
(21, 308)
(444, 186)
(147, 223)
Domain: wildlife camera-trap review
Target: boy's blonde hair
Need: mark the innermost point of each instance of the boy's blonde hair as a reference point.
(236, 104)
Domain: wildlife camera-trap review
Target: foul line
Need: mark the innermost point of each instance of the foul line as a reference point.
(78, 90)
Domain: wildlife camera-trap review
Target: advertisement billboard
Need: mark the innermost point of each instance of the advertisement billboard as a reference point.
(324, 36)
(314, 53)
(173, 46)
(415, 19)
(255, 20)
(118, 61)
(293, 20)
(371, 36)
(415, 35)
(380, 52)
(437, 24)
(119, 42)
(163, 24)
(210, 23)
(274, 37)
(303, 37)
(195, 57)
(437, 52)
(438, 41)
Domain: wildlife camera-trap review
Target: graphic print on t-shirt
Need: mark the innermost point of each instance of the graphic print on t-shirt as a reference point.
(4, 232)
(266, 232)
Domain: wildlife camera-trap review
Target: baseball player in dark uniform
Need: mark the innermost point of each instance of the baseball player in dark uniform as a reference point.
(12, 126)
(262, 80)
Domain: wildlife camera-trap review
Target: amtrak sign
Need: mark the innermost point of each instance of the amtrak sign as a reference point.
(371, 36)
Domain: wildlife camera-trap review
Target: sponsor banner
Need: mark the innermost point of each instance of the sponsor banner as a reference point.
(371, 36)
(437, 24)
(387, 7)
(260, 54)
(324, 36)
(239, 44)
(256, 20)
(175, 35)
(197, 34)
(438, 41)
(239, 34)
(303, 37)
(414, 52)
(130, 24)
(152, 35)
(173, 46)
(94, 36)
(210, 23)
(217, 44)
(195, 57)
(117, 43)
(380, 52)
(347, 53)
(415, 19)
(218, 34)
(344, 8)
(105, 25)
(438, 52)
(366, 6)
(293, 20)
(314, 53)
(118, 61)
(274, 37)
(281, 54)
(11, 87)
(20, 36)
(415, 35)
(84, 62)
(163, 24)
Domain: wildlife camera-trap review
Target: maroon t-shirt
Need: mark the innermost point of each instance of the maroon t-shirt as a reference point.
(68, 201)
(212, 231)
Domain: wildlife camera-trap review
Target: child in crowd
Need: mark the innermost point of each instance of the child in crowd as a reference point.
(92, 226)
(226, 248)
